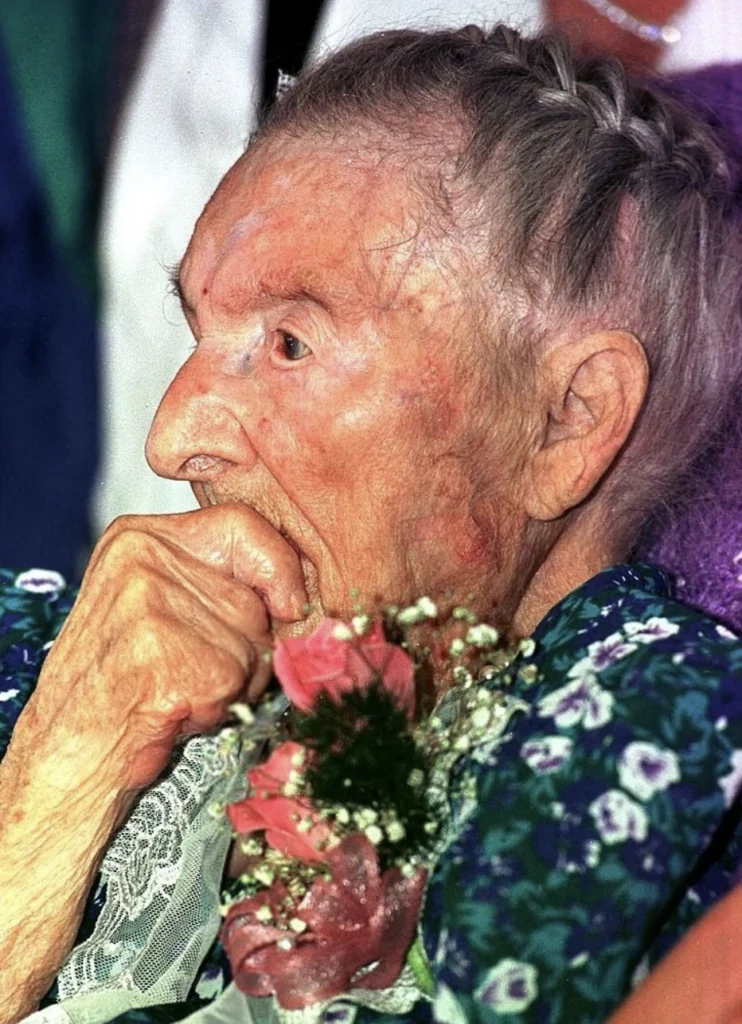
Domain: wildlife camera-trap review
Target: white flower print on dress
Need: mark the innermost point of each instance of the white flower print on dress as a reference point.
(509, 987)
(547, 754)
(732, 782)
(656, 628)
(580, 701)
(644, 769)
(40, 581)
(583, 669)
(8, 694)
(606, 652)
(618, 818)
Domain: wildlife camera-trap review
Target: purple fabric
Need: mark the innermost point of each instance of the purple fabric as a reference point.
(702, 546)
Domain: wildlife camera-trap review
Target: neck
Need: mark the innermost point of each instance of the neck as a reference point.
(579, 553)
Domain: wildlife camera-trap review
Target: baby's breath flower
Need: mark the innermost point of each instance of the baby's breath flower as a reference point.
(462, 742)
(285, 944)
(431, 827)
(264, 874)
(342, 632)
(264, 914)
(297, 759)
(342, 815)
(304, 825)
(360, 624)
(407, 870)
(410, 616)
(365, 816)
(482, 635)
(297, 925)
(427, 607)
(252, 847)
(457, 647)
(415, 778)
(216, 808)
(464, 615)
(374, 834)
(462, 676)
(528, 673)
(527, 647)
(395, 831)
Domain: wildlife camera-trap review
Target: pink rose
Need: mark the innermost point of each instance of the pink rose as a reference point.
(359, 918)
(321, 663)
(284, 819)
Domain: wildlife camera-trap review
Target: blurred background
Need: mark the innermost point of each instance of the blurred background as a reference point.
(118, 121)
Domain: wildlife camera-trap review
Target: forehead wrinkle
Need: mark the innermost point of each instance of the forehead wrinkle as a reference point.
(255, 291)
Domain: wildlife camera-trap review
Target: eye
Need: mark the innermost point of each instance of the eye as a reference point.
(291, 348)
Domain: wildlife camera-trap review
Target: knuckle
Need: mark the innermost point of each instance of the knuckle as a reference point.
(127, 540)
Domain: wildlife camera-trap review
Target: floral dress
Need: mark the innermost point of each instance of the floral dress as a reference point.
(606, 820)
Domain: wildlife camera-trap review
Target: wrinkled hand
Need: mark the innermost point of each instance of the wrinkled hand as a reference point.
(170, 627)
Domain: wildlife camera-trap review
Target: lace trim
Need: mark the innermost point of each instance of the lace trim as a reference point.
(162, 875)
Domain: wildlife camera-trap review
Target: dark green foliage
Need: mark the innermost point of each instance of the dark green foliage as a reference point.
(364, 756)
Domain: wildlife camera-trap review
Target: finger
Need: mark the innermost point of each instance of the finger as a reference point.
(236, 540)
(201, 606)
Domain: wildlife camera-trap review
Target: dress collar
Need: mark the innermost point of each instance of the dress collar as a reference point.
(636, 576)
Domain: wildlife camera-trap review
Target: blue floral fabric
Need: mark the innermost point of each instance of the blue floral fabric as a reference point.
(607, 815)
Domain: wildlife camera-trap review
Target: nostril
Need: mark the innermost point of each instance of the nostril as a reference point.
(198, 464)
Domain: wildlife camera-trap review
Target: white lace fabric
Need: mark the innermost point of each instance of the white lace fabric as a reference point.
(163, 875)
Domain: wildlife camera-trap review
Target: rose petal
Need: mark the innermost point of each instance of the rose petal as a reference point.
(309, 666)
(280, 817)
(272, 776)
(312, 973)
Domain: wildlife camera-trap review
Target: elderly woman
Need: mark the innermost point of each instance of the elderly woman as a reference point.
(461, 317)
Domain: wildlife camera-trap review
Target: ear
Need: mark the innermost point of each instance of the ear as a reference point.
(593, 392)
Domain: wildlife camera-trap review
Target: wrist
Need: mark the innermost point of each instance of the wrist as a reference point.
(67, 776)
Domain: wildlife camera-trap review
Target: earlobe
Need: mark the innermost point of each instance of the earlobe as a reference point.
(594, 390)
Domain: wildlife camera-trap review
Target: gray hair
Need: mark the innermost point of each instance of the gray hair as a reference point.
(607, 205)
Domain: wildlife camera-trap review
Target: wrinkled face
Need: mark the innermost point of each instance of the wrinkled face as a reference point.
(332, 384)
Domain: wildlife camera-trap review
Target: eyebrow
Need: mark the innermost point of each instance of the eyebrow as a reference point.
(265, 292)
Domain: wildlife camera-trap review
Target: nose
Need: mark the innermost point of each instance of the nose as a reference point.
(196, 433)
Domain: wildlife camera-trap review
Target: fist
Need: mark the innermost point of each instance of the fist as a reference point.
(171, 626)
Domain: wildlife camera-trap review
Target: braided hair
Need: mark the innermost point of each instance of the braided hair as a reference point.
(604, 204)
